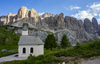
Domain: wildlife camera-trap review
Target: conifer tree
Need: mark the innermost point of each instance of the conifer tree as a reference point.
(50, 42)
(65, 42)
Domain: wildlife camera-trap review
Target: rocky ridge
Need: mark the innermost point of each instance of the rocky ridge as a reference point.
(76, 30)
(23, 12)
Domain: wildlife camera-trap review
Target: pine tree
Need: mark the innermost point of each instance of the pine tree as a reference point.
(50, 42)
(77, 43)
(65, 42)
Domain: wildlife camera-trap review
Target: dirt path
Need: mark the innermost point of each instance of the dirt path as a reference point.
(10, 58)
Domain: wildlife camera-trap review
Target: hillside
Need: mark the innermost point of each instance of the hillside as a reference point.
(73, 54)
(8, 40)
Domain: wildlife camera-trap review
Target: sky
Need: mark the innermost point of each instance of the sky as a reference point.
(79, 9)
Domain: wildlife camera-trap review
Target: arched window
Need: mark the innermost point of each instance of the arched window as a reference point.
(24, 50)
(31, 50)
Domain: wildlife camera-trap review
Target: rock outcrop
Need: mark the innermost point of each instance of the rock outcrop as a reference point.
(23, 12)
(56, 22)
(3, 19)
(47, 15)
(73, 23)
(11, 18)
(88, 26)
(95, 24)
(91, 27)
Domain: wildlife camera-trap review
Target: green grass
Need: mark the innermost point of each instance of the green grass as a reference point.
(86, 50)
(8, 40)
(14, 48)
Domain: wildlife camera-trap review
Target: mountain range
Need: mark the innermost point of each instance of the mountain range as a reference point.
(76, 30)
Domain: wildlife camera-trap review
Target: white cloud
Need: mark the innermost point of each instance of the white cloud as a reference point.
(95, 6)
(98, 21)
(74, 7)
(41, 13)
(83, 14)
(99, 14)
(94, 10)
(87, 6)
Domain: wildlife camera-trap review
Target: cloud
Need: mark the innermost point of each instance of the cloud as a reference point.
(95, 6)
(41, 13)
(99, 14)
(74, 7)
(98, 21)
(83, 14)
(92, 11)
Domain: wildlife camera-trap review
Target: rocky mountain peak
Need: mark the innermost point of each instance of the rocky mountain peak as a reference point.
(33, 10)
(23, 12)
(86, 20)
(91, 26)
(23, 7)
(33, 13)
(47, 15)
(61, 14)
(10, 14)
(95, 24)
(88, 25)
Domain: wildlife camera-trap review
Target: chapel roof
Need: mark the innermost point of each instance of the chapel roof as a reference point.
(30, 40)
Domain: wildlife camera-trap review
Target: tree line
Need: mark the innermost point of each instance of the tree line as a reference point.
(51, 42)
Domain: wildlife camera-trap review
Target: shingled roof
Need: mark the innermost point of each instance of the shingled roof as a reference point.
(29, 40)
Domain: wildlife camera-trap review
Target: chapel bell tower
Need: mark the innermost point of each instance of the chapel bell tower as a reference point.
(25, 29)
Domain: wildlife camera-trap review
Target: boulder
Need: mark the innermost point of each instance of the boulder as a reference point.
(11, 51)
(3, 50)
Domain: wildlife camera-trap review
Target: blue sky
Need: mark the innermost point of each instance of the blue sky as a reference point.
(76, 8)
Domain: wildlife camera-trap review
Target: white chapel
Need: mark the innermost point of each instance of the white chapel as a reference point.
(29, 44)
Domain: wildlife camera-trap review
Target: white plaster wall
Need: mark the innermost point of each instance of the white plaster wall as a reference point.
(37, 50)
(40, 50)
(25, 32)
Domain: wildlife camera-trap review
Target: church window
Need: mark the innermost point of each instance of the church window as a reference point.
(24, 50)
(31, 50)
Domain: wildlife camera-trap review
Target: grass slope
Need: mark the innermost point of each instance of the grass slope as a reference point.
(56, 56)
(86, 50)
(8, 40)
